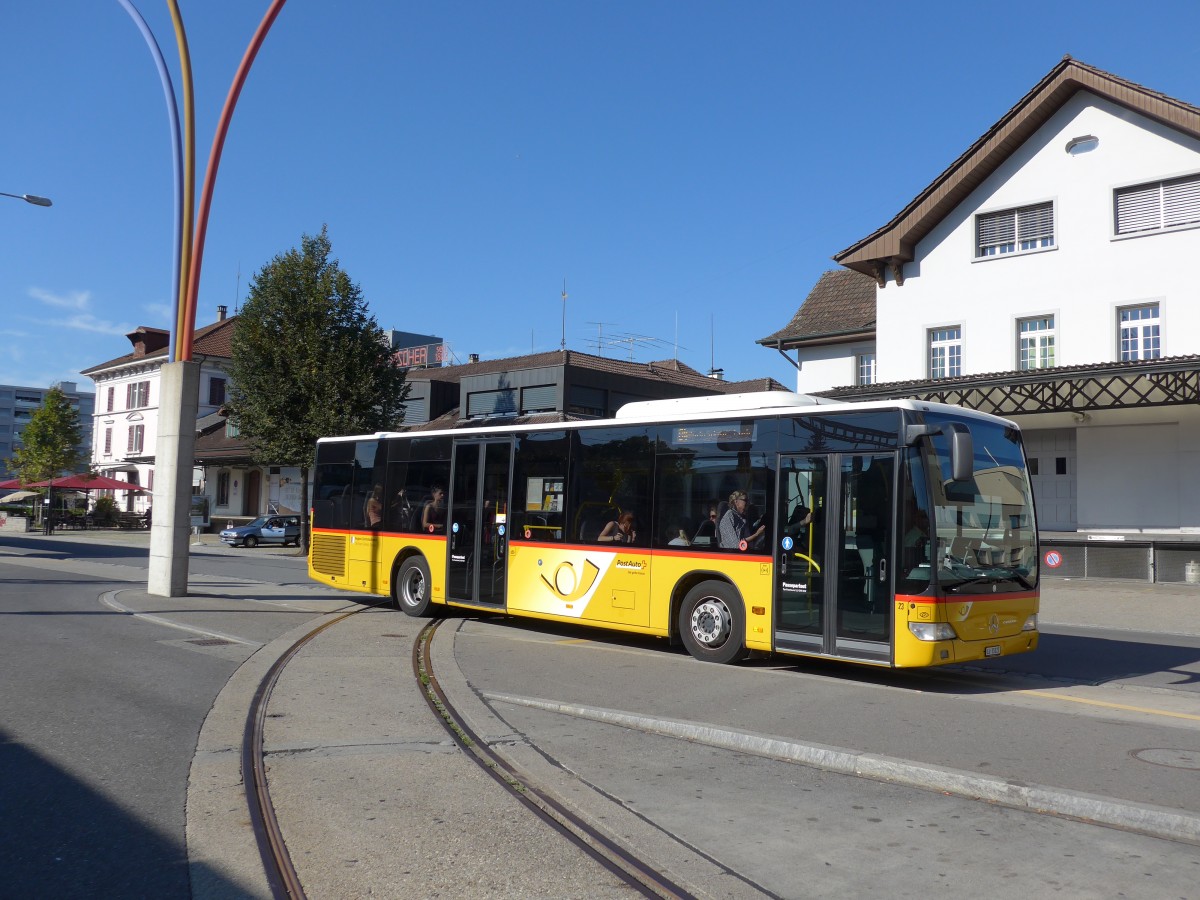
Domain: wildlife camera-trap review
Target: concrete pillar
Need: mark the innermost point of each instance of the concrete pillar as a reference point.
(174, 458)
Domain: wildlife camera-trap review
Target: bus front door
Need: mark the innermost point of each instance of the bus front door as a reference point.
(477, 530)
(832, 555)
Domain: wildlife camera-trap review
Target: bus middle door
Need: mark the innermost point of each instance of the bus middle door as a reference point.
(832, 571)
(477, 529)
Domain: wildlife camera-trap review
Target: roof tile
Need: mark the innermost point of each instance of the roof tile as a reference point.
(841, 302)
(212, 340)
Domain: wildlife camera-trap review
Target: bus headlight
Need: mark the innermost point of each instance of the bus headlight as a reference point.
(1030, 623)
(933, 631)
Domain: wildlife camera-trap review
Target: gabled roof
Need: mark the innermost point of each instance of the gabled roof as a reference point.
(450, 420)
(214, 445)
(213, 340)
(840, 305)
(669, 371)
(892, 245)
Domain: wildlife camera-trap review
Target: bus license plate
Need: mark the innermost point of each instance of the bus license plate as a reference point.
(992, 651)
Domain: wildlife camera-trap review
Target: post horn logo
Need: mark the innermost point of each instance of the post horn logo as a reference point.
(568, 585)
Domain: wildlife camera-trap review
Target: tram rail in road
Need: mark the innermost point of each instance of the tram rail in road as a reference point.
(283, 876)
(636, 872)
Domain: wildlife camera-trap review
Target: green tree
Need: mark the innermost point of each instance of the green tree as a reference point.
(50, 442)
(309, 361)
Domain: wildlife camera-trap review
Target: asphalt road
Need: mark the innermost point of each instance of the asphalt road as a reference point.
(101, 714)
(798, 831)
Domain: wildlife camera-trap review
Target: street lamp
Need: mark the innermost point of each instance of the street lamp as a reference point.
(29, 198)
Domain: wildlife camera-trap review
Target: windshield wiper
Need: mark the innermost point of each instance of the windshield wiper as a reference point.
(995, 575)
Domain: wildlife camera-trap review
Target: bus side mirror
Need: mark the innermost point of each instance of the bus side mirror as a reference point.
(962, 447)
(962, 454)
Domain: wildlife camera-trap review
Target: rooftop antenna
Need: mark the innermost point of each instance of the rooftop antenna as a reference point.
(712, 345)
(237, 291)
(600, 342)
(635, 341)
(564, 328)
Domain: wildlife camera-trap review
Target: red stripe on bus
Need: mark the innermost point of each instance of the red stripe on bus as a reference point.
(647, 551)
(392, 534)
(966, 598)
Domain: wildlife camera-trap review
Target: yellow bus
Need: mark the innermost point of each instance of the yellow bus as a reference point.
(888, 533)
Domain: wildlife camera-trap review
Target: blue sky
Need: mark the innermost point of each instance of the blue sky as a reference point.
(688, 168)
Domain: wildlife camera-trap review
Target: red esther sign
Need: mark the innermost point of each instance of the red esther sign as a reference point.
(415, 357)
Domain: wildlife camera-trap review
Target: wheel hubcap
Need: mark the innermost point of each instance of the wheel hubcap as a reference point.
(414, 589)
(711, 622)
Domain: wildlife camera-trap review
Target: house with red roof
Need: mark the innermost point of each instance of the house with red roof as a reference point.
(125, 428)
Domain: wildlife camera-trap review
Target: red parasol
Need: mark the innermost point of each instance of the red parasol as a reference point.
(86, 482)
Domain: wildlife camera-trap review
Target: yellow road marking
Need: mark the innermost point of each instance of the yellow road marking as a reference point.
(1141, 709)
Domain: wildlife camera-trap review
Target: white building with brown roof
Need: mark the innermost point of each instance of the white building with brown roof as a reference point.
(1046, 276)
(125, 427)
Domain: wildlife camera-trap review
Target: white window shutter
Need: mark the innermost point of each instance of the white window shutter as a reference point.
(1181, 201)
(1138, 209)
(1036, 222)
(996, 228)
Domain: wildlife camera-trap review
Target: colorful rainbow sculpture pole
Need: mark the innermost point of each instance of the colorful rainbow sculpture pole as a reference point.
(179, 387)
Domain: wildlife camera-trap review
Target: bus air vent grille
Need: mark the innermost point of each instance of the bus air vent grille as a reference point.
(329, 554)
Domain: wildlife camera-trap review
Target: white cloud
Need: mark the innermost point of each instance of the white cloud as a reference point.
(87, 322)
(71, 300)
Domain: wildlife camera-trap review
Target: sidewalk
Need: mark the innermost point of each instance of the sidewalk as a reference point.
(1124, 605)
(373, 796)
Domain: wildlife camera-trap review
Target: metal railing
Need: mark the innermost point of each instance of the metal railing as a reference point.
(1162, 562)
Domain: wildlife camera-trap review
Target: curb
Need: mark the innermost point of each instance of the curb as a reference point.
(1155, 821)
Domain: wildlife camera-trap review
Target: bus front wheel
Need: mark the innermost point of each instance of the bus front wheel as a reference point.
(411, 587)
(712, 623)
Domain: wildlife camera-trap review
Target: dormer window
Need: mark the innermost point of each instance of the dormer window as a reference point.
(1019, 230)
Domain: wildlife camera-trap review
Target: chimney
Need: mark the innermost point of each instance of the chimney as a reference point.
(716, 374)
(473, 358)
(221, 310)
(148, 340)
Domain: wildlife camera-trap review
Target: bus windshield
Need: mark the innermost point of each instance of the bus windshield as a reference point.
(986, 539)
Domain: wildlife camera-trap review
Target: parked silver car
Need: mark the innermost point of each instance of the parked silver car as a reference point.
(264, 530)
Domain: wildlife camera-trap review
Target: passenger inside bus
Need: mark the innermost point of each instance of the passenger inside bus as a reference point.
(433, 513)
(676, 537)
(706, 531)
(620, 530)
(373, 508)
(735, 527)
(400, 511)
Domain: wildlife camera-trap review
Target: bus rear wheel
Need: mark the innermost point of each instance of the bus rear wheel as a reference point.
(712, 623)
(411, 587)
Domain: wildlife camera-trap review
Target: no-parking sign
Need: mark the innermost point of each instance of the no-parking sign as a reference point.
(1053, 559)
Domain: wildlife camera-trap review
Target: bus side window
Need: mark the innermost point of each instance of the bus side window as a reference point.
(611, 472)
(540, 468)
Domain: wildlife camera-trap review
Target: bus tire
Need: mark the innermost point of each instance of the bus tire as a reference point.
(712, 623)
(411, 588)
